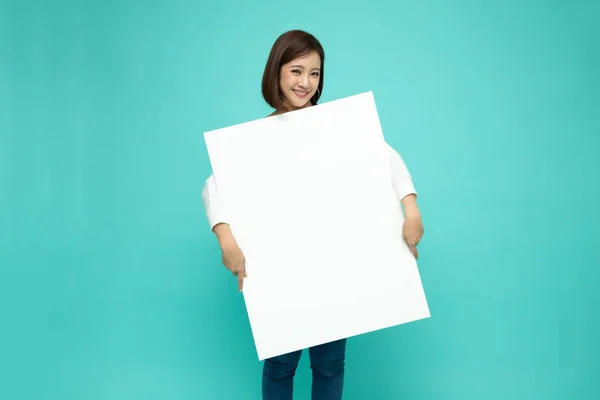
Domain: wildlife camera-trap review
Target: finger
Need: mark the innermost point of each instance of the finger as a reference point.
(414, 251)
(240, 282)
(239, 269)
(242, 268)
(417, 240)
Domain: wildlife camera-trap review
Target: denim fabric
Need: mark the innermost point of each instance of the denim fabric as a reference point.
(327, 362)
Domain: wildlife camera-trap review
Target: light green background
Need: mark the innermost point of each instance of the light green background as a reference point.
(111, 285)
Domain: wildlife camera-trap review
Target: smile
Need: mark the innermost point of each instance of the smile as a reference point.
(300, 93)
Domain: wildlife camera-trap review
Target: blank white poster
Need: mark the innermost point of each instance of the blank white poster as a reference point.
(314, 211)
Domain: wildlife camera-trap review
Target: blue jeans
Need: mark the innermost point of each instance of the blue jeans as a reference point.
(327, 362)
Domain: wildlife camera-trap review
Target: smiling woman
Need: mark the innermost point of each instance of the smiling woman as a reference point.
(293, 80)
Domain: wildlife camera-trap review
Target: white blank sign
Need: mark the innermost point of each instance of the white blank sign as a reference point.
(312, 206)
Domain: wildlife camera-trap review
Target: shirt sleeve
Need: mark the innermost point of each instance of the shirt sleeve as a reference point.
(401, 178)
(213, 205)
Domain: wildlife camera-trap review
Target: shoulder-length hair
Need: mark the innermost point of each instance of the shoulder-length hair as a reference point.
(289, 46)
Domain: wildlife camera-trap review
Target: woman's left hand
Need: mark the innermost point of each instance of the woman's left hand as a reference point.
(412, 232)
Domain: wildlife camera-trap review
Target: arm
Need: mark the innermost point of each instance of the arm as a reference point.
(224, 236)
(216, 212)
(412, 229)
(410, 207)
(403, 184)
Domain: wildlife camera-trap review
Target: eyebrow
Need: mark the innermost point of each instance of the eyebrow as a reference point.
(300, 66)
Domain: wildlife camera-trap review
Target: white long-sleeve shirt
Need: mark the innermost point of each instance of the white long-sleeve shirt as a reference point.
(216, 212)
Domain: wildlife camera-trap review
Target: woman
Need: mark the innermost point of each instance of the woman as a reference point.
(292, 80)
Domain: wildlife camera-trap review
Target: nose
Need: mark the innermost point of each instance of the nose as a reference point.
(303, 82)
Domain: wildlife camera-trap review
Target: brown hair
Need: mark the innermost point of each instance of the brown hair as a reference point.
(289, 46)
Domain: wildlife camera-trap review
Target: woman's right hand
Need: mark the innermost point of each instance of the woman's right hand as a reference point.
(234, 260)
(231, 255)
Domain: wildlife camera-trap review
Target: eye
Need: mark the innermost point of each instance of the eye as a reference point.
(295, 71)
(315, 74)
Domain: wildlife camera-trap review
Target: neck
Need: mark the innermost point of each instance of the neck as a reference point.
(290, 108)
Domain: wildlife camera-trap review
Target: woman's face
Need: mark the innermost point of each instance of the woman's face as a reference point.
(299, 80)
